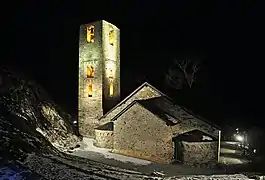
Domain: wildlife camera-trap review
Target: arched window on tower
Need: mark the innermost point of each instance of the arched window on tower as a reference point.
(90, 90)
(90, 71)
(90, 34)
(110, 76)
(111, 37)
(111, 88)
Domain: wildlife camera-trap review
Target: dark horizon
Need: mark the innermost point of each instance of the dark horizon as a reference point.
(227, 36)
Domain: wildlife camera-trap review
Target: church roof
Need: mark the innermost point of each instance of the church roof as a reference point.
(108, 126)
(169, 106)
(172, 114)
(161, 111)
(151, 105)
(162, 106)
(137, 94)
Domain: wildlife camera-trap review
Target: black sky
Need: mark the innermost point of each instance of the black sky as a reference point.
(228, 35)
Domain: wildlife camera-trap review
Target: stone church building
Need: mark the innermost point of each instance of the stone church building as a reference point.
(147, 124)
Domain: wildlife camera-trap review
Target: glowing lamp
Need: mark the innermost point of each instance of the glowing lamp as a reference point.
(239, 138)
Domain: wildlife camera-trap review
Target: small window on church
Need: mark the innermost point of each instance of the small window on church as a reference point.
(111, 89)
(111, 37)
(90, 71)
(90, 89)
(90, 35)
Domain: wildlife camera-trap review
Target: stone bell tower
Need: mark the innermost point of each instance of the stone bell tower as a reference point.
(99, 73)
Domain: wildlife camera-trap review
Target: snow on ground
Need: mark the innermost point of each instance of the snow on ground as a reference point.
(8, 173)
(234, 161)
(55, 167)
(88, 145)
(231, 154)
(89, 151)
(228, 151)
(14, 171)
(40, 131)
(230, 142)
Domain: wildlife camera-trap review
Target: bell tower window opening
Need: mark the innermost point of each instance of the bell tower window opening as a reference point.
(90, 72)
(111, 37)
(90, 35)
(111, 88)
(110, 76)
(90, 89)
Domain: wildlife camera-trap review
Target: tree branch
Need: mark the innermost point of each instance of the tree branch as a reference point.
(188, 70)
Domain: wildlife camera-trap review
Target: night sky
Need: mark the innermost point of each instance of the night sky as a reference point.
(42, 39)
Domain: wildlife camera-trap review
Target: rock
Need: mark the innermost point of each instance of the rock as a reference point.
(29, 115)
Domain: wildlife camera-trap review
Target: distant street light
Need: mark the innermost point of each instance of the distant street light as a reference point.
(239, 138)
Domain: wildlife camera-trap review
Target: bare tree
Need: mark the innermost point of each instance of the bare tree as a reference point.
(182, 73)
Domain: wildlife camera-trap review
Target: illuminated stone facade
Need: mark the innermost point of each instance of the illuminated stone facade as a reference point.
(199, 153)
(142, 125)
(99, 73)
(146, 124)
(145, 91)
(104, 138)
(144, 136)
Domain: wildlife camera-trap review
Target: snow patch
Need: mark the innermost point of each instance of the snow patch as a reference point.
(213, 177)
(230, 142)
(19, 115)
(8, 173)
(206, 138)
(54, 167)
(172, 119)
(40, 131)
(88, 145)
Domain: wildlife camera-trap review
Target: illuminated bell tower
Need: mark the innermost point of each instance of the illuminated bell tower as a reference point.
(99, 73)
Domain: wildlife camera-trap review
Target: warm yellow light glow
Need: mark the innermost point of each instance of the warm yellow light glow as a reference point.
(90, 89)
(111, 37)
(90, 35)
(111, 89)
(90, 72)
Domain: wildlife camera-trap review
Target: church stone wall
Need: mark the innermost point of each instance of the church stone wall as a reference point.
(139, 133)
(145, 93)
(200, 153)
(104, 138)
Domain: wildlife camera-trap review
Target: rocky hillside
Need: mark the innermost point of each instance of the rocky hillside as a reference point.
(29, 120)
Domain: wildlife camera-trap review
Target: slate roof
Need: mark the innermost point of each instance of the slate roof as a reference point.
(170, 107)
(194, 131)
(153, 106)
(108, 126)
(166, 110)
